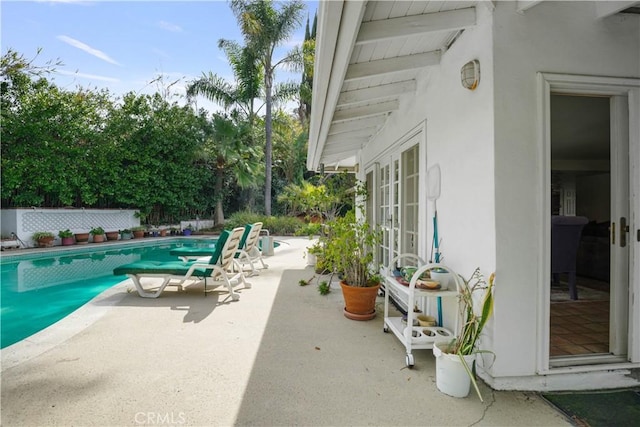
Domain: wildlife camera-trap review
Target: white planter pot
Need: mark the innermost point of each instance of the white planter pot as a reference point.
(312, 259)
(445, 279)
(451, 376)
(9, 244)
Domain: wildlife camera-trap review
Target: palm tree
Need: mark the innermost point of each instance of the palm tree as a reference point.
(238, 99)
(264, 28)
(228, 149)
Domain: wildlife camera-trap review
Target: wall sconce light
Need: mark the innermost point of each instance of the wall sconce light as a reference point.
(470, 74)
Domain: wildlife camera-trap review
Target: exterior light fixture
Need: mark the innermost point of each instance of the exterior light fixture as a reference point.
(470, 74)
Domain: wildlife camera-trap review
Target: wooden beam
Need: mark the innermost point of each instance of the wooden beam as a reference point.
(334, 146)
(355, 133)
(355, 124)
(608, 8)
(523, 5)
(381, 67)
(367, 110)
(413, 25)
(376, 92)
(338, 158)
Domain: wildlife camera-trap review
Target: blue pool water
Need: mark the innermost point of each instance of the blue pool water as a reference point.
(37, 290)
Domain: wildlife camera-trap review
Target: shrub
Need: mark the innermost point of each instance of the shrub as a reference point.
(277, 225)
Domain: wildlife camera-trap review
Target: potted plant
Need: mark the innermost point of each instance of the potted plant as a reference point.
(313, 252)
(187, 230)
(349, 247)
(82, 238)
(455, 359)
(66, 237)
(44, 239)
(125, 234)
(98, 234)
(138, 232)
(9, 242)
(112, 235)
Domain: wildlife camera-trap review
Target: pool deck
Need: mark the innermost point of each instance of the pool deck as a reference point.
(281, 355)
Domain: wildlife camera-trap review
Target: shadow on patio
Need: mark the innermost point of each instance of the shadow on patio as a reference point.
(316, 367)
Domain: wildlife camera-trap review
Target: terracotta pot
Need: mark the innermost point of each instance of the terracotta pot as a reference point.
(98, 238)
(112, 235)
(163, 232)
(82, 238)
(138, 234)
(360, 302)
(45, 242)
(68, 241)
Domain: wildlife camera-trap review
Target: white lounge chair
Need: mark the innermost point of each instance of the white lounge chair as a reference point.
(250, 252)
(219, 270)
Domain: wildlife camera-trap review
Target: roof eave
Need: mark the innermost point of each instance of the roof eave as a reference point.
(333, 53)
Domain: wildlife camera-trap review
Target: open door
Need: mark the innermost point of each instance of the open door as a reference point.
(589, 176)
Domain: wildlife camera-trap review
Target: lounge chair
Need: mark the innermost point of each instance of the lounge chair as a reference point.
(249, 252)
(219, 269)
(188, 253)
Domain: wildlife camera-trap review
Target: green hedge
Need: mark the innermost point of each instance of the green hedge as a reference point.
(277, 225)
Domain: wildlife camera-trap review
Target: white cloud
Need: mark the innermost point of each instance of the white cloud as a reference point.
(84, 47)
(88, 76)
(170, 27)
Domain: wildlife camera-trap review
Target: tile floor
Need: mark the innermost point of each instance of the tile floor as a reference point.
(579, 327)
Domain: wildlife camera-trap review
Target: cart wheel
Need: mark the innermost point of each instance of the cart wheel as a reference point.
(385, 329)
(409, 361)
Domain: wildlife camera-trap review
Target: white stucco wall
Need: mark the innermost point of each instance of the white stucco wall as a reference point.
(459, 137)
(557, 37)
(486, 143)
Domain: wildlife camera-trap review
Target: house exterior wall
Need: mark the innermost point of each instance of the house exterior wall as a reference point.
(487, 145)
(556, 37)
(459, 137)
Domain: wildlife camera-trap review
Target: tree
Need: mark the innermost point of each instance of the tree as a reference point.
(306, 87)
(228, 146)
(235, 135)
(264, 28)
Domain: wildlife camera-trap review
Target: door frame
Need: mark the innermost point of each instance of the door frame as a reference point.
(592, 86)
(387, 157)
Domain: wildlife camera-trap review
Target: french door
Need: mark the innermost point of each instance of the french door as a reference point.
(399, 202)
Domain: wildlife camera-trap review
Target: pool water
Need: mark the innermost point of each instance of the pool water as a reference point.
(37, 290)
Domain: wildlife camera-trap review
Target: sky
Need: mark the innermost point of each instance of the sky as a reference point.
(126, 45)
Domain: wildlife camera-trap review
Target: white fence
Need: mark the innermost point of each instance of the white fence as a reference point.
(25, 222)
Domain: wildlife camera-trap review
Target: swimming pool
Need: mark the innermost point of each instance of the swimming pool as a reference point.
(38, 289)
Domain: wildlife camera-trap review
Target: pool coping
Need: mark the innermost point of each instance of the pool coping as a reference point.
(65, 328)
(28, 253)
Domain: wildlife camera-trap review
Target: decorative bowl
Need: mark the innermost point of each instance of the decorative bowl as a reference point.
(428, 284)
(425, 320)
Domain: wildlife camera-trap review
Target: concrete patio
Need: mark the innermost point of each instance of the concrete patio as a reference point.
(281, 355)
